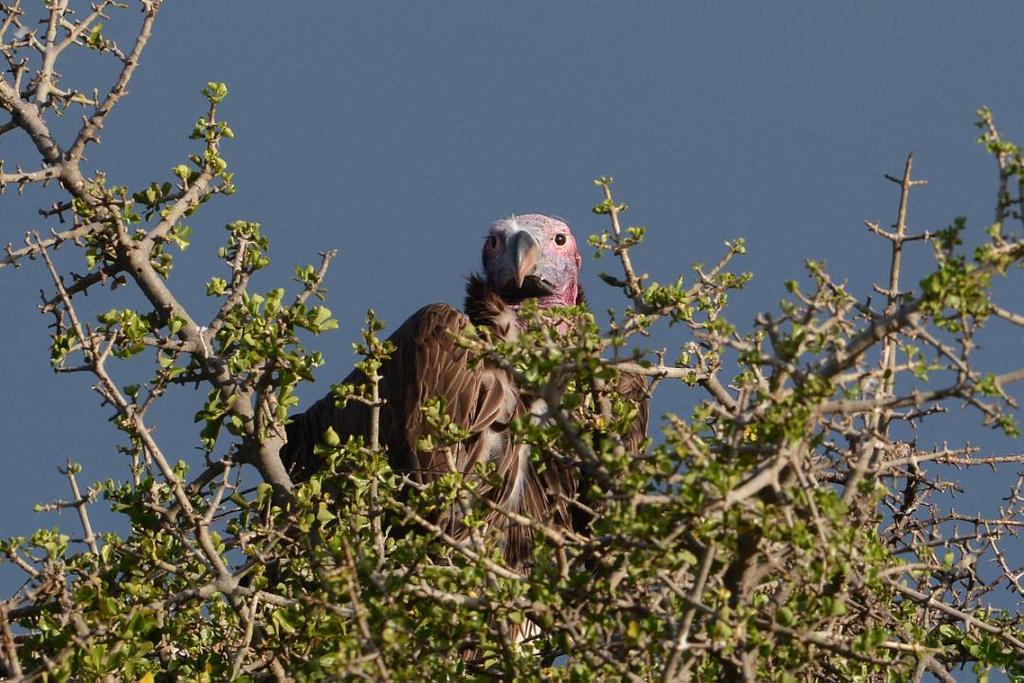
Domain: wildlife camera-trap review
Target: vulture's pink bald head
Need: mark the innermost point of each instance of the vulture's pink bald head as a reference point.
(533, 256)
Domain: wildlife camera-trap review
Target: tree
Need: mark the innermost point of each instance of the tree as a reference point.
(784, 529)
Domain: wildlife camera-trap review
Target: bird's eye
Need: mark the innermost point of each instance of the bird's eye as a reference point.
(560, 239)
(492, 242)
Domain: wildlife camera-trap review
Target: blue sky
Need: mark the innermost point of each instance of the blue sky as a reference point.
(396, 132)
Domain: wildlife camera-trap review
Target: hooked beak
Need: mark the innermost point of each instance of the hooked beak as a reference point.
(526, 252)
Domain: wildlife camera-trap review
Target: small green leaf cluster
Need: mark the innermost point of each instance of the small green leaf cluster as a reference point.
(128, 330)
(259, 337)
(958, 289)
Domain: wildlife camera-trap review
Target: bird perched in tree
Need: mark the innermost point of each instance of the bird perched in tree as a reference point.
(524, 257)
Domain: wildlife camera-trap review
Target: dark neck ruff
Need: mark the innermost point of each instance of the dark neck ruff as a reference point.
(484, 305)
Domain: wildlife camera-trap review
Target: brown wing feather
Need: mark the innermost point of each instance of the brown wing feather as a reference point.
(428, 362)
(479, 398)
(634, 390)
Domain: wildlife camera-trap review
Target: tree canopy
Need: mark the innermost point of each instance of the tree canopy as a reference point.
(783, 529)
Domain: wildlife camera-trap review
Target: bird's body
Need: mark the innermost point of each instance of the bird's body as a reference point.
(526, 257)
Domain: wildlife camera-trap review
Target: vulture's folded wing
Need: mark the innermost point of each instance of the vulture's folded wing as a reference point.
(634, 390)
(427, 363)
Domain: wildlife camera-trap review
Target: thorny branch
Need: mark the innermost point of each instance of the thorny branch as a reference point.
(789, 516)
(104, 224)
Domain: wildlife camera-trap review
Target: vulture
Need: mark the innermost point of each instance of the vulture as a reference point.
(524, 257)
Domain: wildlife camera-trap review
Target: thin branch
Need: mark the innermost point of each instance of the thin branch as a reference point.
(80, 503)
(90, 130)
(7, 646)
(11, 256)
